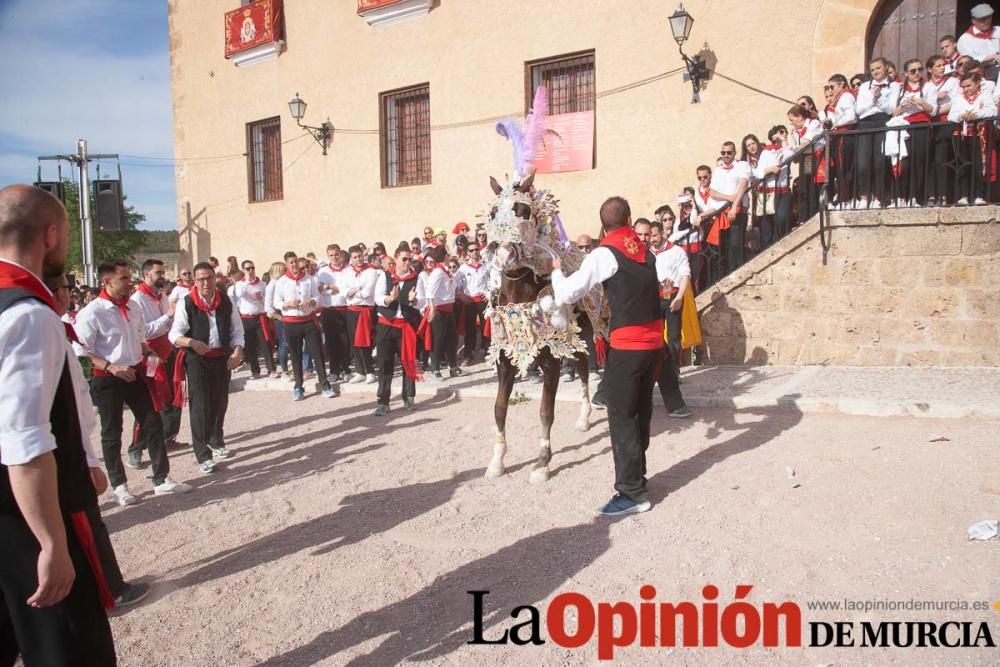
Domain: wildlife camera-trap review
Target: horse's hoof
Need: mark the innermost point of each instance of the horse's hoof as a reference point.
(583, 425)
(539, 475)
(493, 472)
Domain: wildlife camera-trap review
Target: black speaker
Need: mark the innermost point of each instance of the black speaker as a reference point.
(55, 187)
(109, 208)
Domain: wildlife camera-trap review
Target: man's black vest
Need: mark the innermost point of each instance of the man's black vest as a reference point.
(410, 314)
(76, 490)
(633, 293)
(198, 325)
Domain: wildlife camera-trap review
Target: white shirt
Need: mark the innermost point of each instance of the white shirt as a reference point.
(440, 288)
(475, 279)
(269, 297)
(672, 264)
(421, 290)
(979, 47)
(106, 334)
(182, 327)
(249, 299)
(983, 106)
(331, 277)
(599, 265)
(772, 157)
(703, 201)
(32, 354)
(84, 408)
(949, 85)
(686, 236)
(867, 106)
(177, 293)
(845, 112)
(362, 281)
(153, 312)
(809, 132)
(304, 289)
(726, 180)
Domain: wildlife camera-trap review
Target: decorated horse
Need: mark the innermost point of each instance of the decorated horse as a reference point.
(524, 235)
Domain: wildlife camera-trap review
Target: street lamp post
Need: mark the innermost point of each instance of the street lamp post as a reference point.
(680, 26)
(322, 134)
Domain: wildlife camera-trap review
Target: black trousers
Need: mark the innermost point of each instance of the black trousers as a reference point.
(733, 240)
(208, 400)
(389, 343)
(338, 347)
(256, 345)
(474, 334)
(170, 415)
(971, 182)
(307, 333)
(629, 378)
(72, 632)
(941, 150)
(869, 155)
(111, 395)
(362, 355)
(842, 166)
(670, 370)
(444, 334)
(911, 183)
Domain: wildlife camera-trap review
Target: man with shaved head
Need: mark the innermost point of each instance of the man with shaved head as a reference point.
(52, 590)
(626, 268)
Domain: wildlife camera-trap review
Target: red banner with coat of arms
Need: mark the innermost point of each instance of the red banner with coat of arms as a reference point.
(252, 25)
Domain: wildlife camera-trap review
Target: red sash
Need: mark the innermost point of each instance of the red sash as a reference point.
(408, 351)
(424, 331)
(85, 536)
(721, 222)
(601, 350)
(647, 336)
(445, 307)
(266, 326)
(363, 331)
(161, 346)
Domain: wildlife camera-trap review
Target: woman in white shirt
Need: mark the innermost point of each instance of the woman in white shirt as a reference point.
(945, 88)
(916, 106)
(277, 270)
(807, 130)
(973, 105)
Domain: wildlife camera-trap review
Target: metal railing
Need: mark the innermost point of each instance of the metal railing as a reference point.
(943, 164)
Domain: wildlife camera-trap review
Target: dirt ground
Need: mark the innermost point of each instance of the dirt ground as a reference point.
(334, 537)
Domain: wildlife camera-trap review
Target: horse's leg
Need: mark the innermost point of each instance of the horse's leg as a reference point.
(583, 371)
(550, 378)
(506, 372)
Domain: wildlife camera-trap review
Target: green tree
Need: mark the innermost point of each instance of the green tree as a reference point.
(107, 245)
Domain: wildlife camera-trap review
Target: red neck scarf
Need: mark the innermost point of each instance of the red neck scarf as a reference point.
(289, 275)
(201, 304)
(729, 166)
(705, 194)
(254, 281)
(908, 89)
(802, 131)
(979, 35)
(122, 303)
(13, 276)
(473, 266)
(396, 278)
(185, 283)
(972, 99)
(148, 291)
(627, 242)
(358, 272)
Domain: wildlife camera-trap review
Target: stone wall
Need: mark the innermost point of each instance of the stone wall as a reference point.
(896, 288)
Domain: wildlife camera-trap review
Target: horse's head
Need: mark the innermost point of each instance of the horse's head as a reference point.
(511, 224)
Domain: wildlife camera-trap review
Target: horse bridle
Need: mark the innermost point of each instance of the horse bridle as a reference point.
(525, 272)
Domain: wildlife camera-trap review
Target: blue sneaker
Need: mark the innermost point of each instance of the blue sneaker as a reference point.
(329, 392)
(620, 505)
(298, 393)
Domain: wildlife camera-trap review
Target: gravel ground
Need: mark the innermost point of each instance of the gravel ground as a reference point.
(334, 537)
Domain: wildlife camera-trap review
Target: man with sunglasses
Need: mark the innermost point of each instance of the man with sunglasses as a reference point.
(248, 297)
(729, 184)
(183, 286)
(474, 286)
(158, 314)
(842, 115)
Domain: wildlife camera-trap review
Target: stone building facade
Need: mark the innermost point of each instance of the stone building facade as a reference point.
(236, 141)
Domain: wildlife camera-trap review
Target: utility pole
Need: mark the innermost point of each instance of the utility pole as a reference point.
(81, 160)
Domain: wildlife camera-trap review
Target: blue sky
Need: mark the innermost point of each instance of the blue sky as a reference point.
(93, 69)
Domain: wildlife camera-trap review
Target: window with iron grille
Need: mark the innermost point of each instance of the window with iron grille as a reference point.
(569, 80)
(264, 159)
(406, 136)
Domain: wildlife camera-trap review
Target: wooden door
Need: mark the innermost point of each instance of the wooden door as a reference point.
(904, 29)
